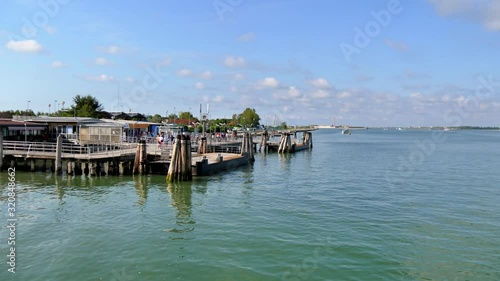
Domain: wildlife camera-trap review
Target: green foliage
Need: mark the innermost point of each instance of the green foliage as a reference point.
(85, 106)
(249, 118)
(186, 115)
(284, 126)
(155, 118)
(10, 113)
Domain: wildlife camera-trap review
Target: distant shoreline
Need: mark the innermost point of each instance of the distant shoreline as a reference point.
(411, 128)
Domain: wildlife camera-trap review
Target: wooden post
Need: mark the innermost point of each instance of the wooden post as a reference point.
(202, 148)
(140, 158)
(263, 141)
(58, 164)
(106, 168)
(121, 168)
(92, 169)
(180, 164)
(1, 148)
(83, 166)
(70, 170)
(250, 148)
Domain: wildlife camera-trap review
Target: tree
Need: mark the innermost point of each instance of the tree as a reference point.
(249, 118)
(186, 115)
(86, 106)
(155, 118)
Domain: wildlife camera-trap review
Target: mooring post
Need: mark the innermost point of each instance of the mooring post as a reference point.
(250, 148)
(58, 164)
(121, 168)
(202, 147)
(1, 148)
(180, 164)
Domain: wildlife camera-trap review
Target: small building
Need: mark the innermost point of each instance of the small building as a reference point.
(82, 130)
(22, 130)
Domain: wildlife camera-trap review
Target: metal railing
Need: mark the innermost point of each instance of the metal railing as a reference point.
(68, 150)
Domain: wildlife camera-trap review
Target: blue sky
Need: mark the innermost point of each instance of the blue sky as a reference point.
(374, 63)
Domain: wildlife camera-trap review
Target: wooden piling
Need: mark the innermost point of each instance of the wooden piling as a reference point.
(58, 163)
(32, 165)
(180, 164)
(92, 169)
(202, 147)
(121, 168)
(1, 148)
(263, 141)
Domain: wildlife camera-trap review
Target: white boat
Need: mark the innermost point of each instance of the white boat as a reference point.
(346, 131)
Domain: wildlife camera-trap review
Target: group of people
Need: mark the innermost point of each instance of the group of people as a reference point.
(161, 138)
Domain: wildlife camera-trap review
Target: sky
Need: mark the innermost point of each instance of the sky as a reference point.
(370, 63)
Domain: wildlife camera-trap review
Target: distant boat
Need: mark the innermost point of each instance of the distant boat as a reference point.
(346, 131)
(400, 129)
(446, 129)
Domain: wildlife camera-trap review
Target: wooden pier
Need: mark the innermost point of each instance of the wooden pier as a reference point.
(206, 157)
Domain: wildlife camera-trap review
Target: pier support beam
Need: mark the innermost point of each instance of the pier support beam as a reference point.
(84, 168)
(92, 169)
(58, 164)
(121, 168)
(32, 165)
(1, 148)
(106, 168)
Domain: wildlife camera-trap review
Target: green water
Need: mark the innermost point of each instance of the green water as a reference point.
(350, 209)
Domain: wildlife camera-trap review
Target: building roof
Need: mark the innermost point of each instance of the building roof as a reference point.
(4, 122)
(50, 119)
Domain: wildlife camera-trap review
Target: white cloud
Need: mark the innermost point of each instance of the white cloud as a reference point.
(344, 95)
(320, 94)
(290, 93)
(206, 75)
(239, 76)
(49, 29)
(321, 83)
(100, 78)
(130, 80)
(268, 82)
(111, 49)
(218, 99)
(486, 12)
(165, 62)
(231, 61)
(57, 64)
(400, 46)
(184, 72)
(246, 37)
(199, 86)
(101, 61)
(293, 92)
(24, 46)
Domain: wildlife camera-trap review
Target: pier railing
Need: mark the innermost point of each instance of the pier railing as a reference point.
(48, 149)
